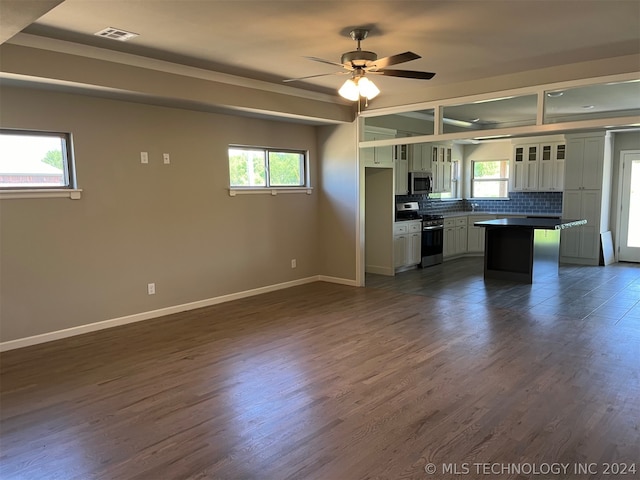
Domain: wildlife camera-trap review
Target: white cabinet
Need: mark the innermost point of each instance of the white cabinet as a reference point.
(449, 238)
(586, 196)
(524, 168)
(447, 170)
(475, 235)
(436, 159)
(401, 166)
(551, 167)
(420, 160)
(407, 242)
(455, 236)
(461, 236)
(585, 157)
(584, 241)
(378, 156)
(415, 246)
(441, 168)
(537, 167)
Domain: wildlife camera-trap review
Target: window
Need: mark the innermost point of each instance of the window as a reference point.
(489, 179)
(454, 192)
(35, 160)
(251, 167)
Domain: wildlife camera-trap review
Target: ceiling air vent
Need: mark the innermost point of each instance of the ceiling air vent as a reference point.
(116, 34)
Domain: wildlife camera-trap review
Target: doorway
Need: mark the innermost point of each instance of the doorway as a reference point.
(629, 240)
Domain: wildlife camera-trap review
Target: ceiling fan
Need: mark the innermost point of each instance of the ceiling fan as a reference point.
(360, 62)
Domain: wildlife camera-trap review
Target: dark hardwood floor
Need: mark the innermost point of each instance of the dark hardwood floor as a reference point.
(325, 381)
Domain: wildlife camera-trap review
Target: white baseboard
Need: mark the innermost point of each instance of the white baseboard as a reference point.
(579, 261)
(138, 317)
(379, 270)
(341, 281)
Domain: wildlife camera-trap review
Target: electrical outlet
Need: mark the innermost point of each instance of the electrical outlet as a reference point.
(151, 288)
(166, 158)
(144, 157)
(294, 263)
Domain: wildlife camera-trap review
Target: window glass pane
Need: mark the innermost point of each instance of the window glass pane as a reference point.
(493, 169)
(405, 124)
(477, 117)
(490, 189)
(633, 239)
(33, 159)
(247, 168)
(286, 169)
(453, 192)
(592, 101)
(490, 179)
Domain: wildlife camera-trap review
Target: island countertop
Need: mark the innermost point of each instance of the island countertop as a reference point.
(534, 223)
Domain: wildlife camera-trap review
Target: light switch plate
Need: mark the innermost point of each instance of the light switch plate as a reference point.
(166, 158)
(144, 157)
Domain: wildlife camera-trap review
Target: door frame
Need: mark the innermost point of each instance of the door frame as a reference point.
(619, 203)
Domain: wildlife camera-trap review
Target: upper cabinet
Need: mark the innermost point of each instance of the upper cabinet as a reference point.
(420, 160)
(585, 157)
(551, 167)
(537, 167)
(436, 159)
(378, 156)
(524, 168)
(401, 169)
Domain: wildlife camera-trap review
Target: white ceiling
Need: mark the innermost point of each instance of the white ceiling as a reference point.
(460, 40)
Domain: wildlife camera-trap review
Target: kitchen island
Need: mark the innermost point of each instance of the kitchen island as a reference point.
(523, 249)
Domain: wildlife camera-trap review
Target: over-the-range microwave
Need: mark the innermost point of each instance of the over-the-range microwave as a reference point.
(420, 182)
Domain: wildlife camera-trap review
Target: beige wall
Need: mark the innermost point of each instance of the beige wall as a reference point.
(338, 201)
(621, 142)
(65, 263)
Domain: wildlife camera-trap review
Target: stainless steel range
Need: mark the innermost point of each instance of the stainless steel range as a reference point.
(432, 232)
(432, 240)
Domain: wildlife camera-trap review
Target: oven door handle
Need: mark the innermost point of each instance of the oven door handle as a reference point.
(437, 227)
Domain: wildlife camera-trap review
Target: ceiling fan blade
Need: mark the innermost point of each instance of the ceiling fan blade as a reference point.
(394, 60)
(321, 60)
(404, 74)
(314, 76)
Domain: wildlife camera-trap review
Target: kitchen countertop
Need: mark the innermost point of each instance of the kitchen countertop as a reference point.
(484, 214)
(534, 223)
(498, 214)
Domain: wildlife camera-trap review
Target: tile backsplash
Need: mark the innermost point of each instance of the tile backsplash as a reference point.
(543, 203)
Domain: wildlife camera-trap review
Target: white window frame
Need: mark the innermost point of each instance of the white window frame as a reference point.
(268, 188)
(455, 182)
(499, 179)
(69, 190)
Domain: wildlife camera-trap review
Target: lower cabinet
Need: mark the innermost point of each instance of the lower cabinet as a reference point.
(581, 244)
(455, 236)
(475, 237)
(407, 244)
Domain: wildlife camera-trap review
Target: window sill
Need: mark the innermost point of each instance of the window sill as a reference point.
(72, 193)
(269, 191)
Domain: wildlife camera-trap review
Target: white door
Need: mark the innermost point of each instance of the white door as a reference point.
(630, 211)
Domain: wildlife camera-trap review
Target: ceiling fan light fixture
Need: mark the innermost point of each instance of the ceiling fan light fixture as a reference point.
(349, 90)
(367, 88)
(354, 88)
